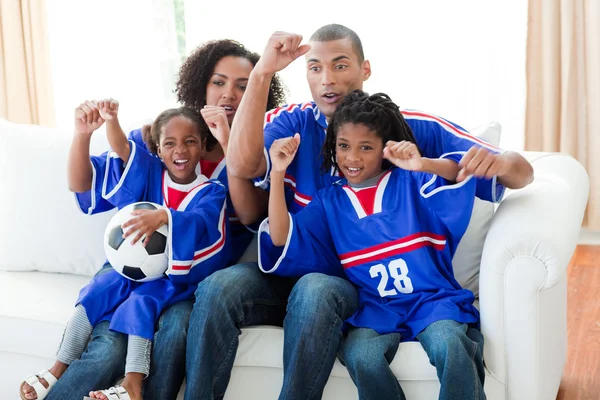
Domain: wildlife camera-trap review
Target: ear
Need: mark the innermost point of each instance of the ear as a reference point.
(366, 67)
(158, 152)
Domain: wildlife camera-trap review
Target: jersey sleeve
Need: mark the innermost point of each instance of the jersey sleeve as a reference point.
(92, 202)
(309, 246)
(451, 202)
(198, 239)
(126, 184)
(437, 137)
(279, 123)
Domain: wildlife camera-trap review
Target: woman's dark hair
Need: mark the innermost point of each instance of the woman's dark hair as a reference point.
(198, 68)
(151, 133)
(377, 112)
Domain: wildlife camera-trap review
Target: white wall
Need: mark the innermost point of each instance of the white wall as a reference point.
(113, 48)
(461, 59)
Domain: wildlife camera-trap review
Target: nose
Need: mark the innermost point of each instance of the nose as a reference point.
(327, 77)
(228, 93)
(353, 155)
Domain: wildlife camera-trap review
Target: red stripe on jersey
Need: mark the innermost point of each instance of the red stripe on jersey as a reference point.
(448, 125)
(366, 197)
(384, 250)
(208, 167)
(213, 248)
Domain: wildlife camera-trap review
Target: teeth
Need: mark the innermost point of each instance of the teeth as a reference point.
(354, 169)
(227, 108)
(180, 161)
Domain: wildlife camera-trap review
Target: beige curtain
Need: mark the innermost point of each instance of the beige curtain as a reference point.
(563, 86)
(25, 77)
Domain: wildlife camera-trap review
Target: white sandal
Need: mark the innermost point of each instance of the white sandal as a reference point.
(114, 393)
(35, 383)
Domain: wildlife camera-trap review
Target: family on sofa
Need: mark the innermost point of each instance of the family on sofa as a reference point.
(359, 208)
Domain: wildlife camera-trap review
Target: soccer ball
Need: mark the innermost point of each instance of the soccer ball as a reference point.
(136, 262)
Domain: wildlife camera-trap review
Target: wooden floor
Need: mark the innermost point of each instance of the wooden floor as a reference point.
(581, 380)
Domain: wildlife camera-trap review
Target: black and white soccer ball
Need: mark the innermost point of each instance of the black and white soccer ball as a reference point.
(136, 262)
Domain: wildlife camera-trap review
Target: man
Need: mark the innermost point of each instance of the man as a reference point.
(319, 304)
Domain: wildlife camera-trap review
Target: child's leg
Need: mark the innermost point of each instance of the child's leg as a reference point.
(368, 355)
(137, 367)
(74, 341)
(457, 353)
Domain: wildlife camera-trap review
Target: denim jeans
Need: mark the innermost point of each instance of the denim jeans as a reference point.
(453, 348)
(103, 362)
(241, 296)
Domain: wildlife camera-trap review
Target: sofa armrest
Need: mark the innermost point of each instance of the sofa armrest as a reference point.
(523, 277)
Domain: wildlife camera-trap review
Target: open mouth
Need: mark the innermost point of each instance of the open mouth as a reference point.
(331, 97)
(229, 109)
(351, 171)
(180, 164)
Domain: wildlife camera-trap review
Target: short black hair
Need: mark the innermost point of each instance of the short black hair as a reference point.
(377, 112)
(151, 133)
(331, 32)
(197, 69)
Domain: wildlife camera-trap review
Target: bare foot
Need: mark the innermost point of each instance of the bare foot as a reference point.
(132, 383)
(57, 370)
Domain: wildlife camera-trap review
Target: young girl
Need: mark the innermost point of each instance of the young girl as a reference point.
(214, 74)
(197, 241)
(391, 226)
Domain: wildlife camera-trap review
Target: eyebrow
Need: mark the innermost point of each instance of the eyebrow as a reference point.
(334, 60)
(226, 77)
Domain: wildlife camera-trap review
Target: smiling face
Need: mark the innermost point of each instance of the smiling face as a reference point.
(181, 148)
(359, 152)
(228, 84)
(333, 71)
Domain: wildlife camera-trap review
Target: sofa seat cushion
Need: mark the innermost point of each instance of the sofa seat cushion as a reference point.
(35, 308)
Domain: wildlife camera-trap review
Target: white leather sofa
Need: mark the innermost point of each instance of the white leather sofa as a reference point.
(522, 279)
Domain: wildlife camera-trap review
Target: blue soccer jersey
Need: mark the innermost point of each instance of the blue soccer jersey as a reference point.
(304, 177)
(94, 201)
(396, 248)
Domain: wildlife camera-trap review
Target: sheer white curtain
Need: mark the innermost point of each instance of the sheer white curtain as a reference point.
(121, 49)
(463, 60)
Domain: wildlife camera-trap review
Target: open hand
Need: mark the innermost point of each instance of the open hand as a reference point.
(283, 151)
(145, 224)
(404, 155)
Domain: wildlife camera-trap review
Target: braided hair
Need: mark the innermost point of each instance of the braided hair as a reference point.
(151, 133)
(377, 112)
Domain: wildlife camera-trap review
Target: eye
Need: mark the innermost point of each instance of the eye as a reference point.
(341, 66)
(314, 68)
(218, 83)
(191, 141)
(366, 148)
(168, 143)
(242, 87)
(342, 145)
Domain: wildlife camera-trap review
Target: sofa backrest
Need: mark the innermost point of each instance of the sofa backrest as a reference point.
(42, 229)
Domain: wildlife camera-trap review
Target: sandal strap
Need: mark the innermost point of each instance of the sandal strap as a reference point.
(116, 393)
(35, 382)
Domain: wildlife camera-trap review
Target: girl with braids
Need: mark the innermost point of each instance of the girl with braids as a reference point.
(391, 226)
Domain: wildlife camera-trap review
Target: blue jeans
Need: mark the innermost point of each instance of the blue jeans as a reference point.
(103, 362)
(241, 296)
(453, 348)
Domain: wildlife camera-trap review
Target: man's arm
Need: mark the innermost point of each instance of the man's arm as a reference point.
(246, 141)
